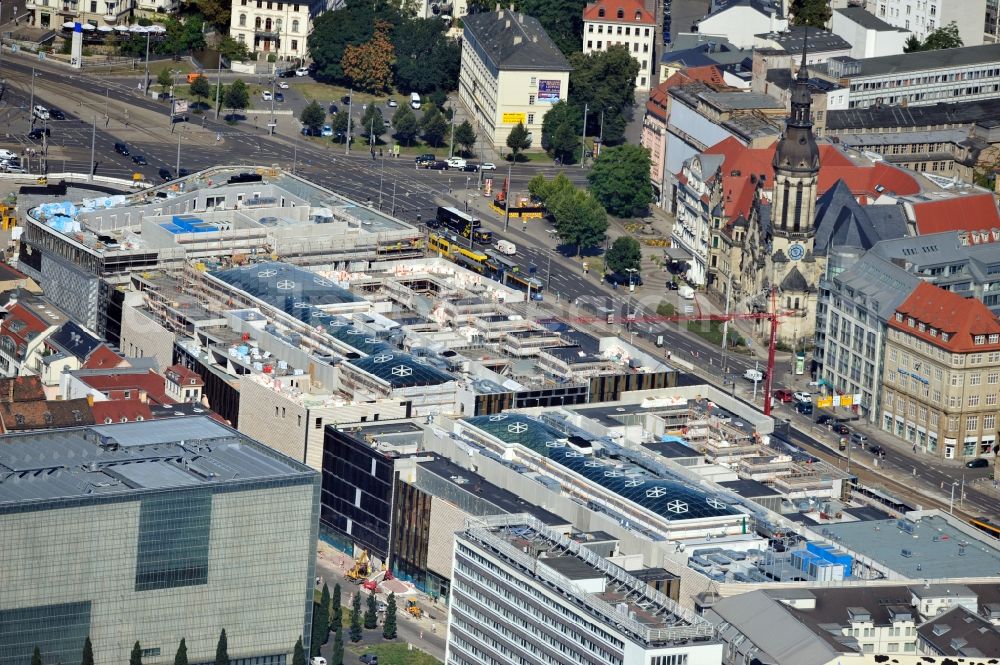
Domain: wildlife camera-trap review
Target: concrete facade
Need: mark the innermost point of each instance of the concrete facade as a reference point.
(923, 17)
(869, 36)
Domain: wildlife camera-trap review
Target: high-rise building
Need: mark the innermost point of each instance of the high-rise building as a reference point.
(151, 532)
(523, 593)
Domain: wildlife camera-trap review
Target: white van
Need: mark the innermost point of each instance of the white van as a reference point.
(414, 100)
(506, 247)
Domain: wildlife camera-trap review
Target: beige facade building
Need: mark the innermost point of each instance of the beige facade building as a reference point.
(511, 73)
(275, 27)
(941, 376)
(628, 23)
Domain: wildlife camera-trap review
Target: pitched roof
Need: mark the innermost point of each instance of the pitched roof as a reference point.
(513, 40)
(22, 389)
(794, 282)
(121, 411)
(22, 325)
(959, 632)
(866, 19)
(104, 357)
(843, 222)
(74, 340)
(972, 212)
(112, 380)
(181, 375)
(10, 274)
(631, 11)
(942, 311)
(707, 74)
(22, 416)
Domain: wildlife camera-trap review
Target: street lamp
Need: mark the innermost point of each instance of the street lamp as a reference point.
(951, 502)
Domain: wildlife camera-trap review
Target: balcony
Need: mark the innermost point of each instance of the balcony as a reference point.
(266, 33)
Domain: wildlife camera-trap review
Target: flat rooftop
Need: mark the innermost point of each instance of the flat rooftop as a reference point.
(115, 460)
(928, 60)
(651, 617)
(931, 547)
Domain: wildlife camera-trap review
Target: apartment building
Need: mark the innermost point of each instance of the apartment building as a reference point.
(941, 374)
(626, 22)
(511, 73)
(920, 78)
(923, 17)
(53, 13)
(522, 591)
(276, 27)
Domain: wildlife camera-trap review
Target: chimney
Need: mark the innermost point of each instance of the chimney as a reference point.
(499, 10)
(143, 396)
(520, 17)
(517, 39)
(90, 399)
(774, 23)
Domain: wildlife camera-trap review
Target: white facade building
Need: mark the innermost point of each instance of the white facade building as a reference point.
(625, 22)
(277, 27)
(869, 36)
(521, 592)
(923, 17)
(693, 217)
(740, 22)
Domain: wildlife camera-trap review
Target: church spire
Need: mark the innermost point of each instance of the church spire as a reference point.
(801, 97)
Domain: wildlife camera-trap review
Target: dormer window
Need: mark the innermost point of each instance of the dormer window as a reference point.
(995, 338)
(621, 13)
(600, 12)
(979, 339)
(933, 332)
(945, 337)
(899, 317)
(107, 420)
(18, 419)
(909, 321)
(48, 417)
(638, 16)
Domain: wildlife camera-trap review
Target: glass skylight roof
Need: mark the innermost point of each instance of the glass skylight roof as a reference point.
(294, 290)
(669, 499)
(401, 370)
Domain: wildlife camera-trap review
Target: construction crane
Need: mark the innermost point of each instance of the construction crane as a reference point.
(773, 316)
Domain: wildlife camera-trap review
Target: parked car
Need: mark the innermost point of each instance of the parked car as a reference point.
(283, 85)
(472, 168)
(317, 660)
(165, 174)
(327, 130)
(183, 173)
(487, 166)
(391, 103)
(286, 74)
(40, 112)
(841, 429)
(387, 123)
(302, 71)
(801, 396)
(333, 109)
(139, 159)
(346, 99)
(805, 408)
(426, 158)
(121, 149)
(859, 439)
(278, 97)
(37, 133)
(978, 463)
(438, 165)
(369, 659)
(456, 163)
(624, 279)
(671, 285)
(7, 154)
(824, 419)
(754, 375)
(266, 95)
(56, 114)
(783, 395)
(876, 450)
(309, 131)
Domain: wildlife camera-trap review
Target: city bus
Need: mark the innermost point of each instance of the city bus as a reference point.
(464, 224)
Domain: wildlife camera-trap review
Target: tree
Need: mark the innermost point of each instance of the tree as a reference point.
(389, 625)
(298, 653)
(351, 25)
(580, 219)
(371, 613)
(814, 13)
(368, 66)
(913, 44)
(426, 59)
(336, 610)
(216, 12)
(465, 136)
(518, 139)
(545, 190)
(561, 128)
(620, 180)
(36, 656)
(134, 659)
(337, 653)
(222, 649)
(237, 97)
(624, 255)
(181, 657)
(320, 622)
(433, 126)
(356, 631)
(165, 80)
(605, 81)
(200, 87)
(404, 122)
(88, 652)
(313, 116)
(372, 123)
(233, 49)
(339, 124)
(947, 36)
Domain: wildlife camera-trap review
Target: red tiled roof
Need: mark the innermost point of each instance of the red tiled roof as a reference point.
(21, 416)
(121, 411)
(834, 165)
(962, 318)
(974, 212)
(709, 74)
(31, 326)
(633, 11)
(112, 381)
(181, 375)
(22, 389)
(104, 357)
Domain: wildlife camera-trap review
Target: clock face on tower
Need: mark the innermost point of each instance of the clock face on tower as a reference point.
(796, 252)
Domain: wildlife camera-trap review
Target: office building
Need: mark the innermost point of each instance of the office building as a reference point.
(625, 22)
(920, 78)
(923, 17)
(941, 374)
(511, 73)
(151, 532)
(523, 593)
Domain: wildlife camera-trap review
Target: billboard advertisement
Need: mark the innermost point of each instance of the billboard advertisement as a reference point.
(514, 118)
(548, 91)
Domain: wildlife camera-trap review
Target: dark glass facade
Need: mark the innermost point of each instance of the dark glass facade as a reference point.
(174, 533)
(357, 492)
(411, 533)
(223, 398)
(57, 630)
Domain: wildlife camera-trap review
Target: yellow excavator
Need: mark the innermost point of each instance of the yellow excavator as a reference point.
(413, 609)
(362, 568)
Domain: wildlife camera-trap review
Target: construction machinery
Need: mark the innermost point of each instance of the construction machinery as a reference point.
(361, 570)
(413, 609)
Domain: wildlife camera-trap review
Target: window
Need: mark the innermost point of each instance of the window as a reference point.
(531, 118)
(531, 100)
(993, 378)
(243, 20)
(975, 379)
(621, 13)
(973, 400)
(295, 45)
(972, 423)
(989, 422)
(173, 540)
